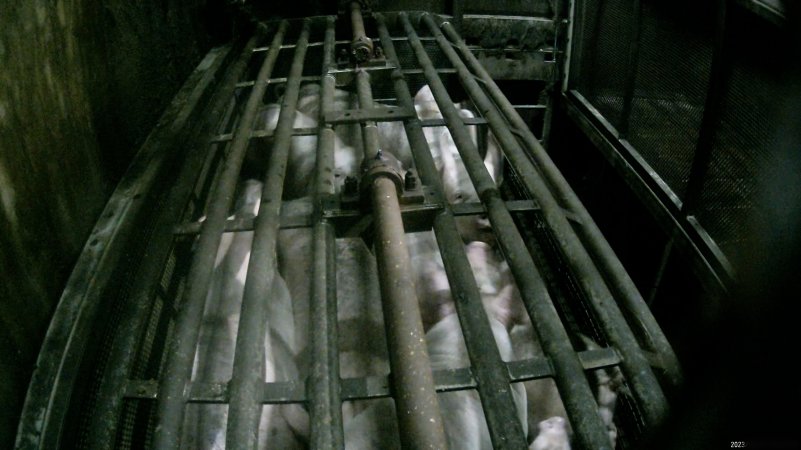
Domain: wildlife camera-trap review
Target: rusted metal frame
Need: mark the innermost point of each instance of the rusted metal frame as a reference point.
(278, 80)
(719, 73)
(553, 86)
(635, 21)
(178, 367)
(375, 387)
(369, 114)
(492, 376)
(590, 235)
(336, 216)
(323, 385)
(636, 367)
(140, 303)
(711, 266)
(264, 134)
(579, 401)
(54, 378)
(244, 411)
(361, 47)
(419, 419)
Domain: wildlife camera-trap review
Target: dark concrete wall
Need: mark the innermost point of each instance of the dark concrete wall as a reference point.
(81, 84)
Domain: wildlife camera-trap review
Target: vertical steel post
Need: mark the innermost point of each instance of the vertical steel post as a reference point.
(361, 47)
(602, 254)
(173, 392)
(570, 379)
(419, 419)
(485, 359)
(631, 68)
(324, 398)
(247, 380)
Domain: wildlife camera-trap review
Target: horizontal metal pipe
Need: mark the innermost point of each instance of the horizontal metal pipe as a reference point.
(178, 368)
(635, 365)
(488, 367)
(575, 391)
(603, 255)
(419, 419)
(247, 378)
(325, 400)
(372, 387)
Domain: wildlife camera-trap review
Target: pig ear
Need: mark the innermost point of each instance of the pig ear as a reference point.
(494, 159)
(502, 307)
(424, 95)
(425, 104)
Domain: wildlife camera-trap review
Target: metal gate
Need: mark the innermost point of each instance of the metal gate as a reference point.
(115, 370)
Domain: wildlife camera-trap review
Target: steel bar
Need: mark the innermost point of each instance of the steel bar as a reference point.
(245, 409)
(635, 366)
(54, 379)
(492, 376)
(718, 81)
(713, 268)
(324, 385)
(140, 303)
(372, 387)
(178, 368)
(361, 47)
(590, 431)
(457, 13)
(419, 419)
(660, 271)
(602, 254)
(552, 87)
(635, 21)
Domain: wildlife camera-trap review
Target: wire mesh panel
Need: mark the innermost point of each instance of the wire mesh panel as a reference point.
(607, 31)
(688, 108)
(670, 85)
(667, 76)
(744, 139)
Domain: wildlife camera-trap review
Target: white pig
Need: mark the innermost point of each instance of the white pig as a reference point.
(216, 347)
(552, 435)
(299, 179)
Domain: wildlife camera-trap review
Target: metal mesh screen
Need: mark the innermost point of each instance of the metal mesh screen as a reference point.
(743, 139)
(670, 88)
(667, 72)
(605, 43)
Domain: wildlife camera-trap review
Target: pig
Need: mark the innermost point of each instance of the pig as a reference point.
(216, 347)
(462, 414)
(552, 435)
(544, 400)
(299, 177)
(362, 341)
(391, 135)
(457, 185)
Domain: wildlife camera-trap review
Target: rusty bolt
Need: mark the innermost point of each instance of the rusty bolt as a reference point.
(409, 181)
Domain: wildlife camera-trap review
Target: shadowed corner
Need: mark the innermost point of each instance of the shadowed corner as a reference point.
(745, 394)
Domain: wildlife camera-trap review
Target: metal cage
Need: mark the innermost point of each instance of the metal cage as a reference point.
(115, 370)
